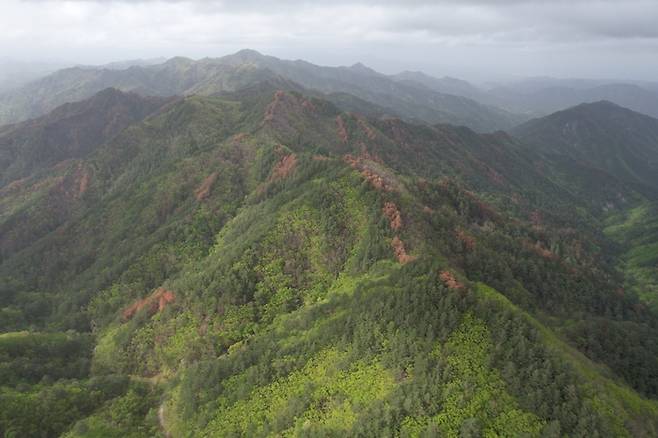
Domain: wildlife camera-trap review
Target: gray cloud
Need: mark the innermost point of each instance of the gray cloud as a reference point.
(574, 37)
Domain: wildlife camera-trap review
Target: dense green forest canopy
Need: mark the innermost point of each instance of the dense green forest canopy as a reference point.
(262, 263)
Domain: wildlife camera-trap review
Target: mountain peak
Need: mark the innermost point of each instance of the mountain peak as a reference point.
(179, 61)
(248, 55)
(248, 52)
(109, 92)
(360, 67)
(598, 111)
(599, 104)
(602, 135)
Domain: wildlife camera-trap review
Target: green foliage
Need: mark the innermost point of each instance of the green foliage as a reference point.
(130, 415)
(291, 313)
(618, 406)
(320, 396)
(49, 410)
(637, 232)
(474, 399)
(31, 357)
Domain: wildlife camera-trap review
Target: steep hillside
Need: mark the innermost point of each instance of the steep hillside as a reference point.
(208, 76)
(261, 263)
(636, 232)
(601, 135)
(70, 131)
(603, 149)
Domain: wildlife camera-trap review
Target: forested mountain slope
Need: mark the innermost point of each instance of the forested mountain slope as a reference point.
(603, 148)
(600, 135)
(42, 177)
(71, 131)
(182, 76)
(261, 263)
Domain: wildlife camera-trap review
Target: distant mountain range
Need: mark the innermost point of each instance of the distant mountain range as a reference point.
(542, 96)
(555, 98)
(14, 74)
(183, 76)
(410, 95)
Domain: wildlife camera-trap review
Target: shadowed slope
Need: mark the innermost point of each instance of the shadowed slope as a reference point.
(601, 135)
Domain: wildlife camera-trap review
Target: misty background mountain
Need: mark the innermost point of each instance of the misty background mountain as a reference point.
(411, 95)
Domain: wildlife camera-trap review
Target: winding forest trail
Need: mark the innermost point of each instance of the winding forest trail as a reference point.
(154, 381)
(161, 421)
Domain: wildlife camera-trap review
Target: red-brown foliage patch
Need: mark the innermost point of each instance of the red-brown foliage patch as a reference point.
(156, 302)
(467, 240)
(83, 184)
(310, 106)
(393, 214)
(271, 109)
(400, 251)
(351, 160)
(283, 104)
(482, 211)
(539, 249)
(284, 167)
(536, 218)
(494, 176)
(74, 184)
(370, 133)
(203, 190)
(398, 131)
(341, 128)
(15, 185)
(240, 137)
(82, 178)
(450, 281)
(369, 171)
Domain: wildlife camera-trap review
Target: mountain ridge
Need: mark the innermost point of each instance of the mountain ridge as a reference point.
(207, 76)
(70, 131)
(603, 135)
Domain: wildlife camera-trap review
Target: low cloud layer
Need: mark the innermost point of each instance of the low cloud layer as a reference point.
(476, 38)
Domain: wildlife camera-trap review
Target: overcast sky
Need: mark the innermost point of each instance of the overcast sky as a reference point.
(470, 38)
